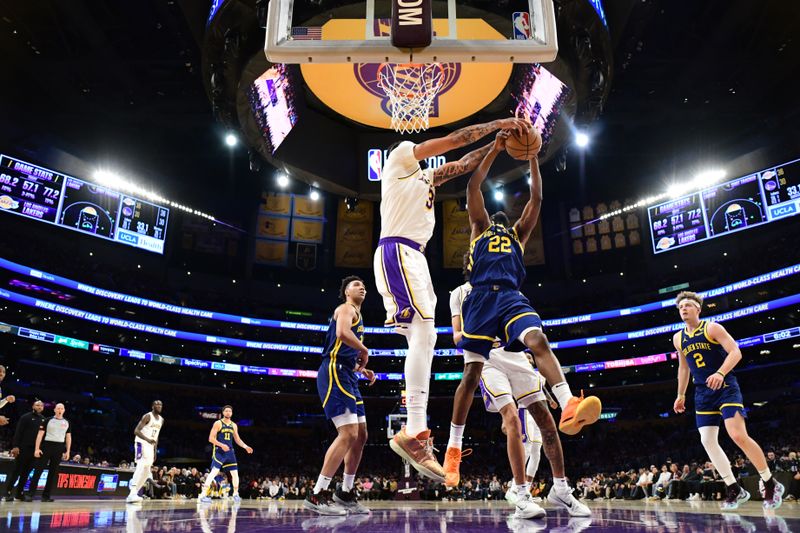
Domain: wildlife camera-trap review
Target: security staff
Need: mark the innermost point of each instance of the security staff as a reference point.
(23, 446)
(53, 443)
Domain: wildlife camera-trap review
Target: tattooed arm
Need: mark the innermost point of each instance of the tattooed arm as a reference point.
(465, 136)
(466, 164)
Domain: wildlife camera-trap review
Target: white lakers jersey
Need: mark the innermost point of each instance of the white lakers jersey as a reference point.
(152, 428)
(407, 195)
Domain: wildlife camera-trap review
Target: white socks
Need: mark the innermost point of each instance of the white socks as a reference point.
(139, 477)
(322, 484)
(349, 480)
(456, 436)
(561, 485)
(709, 436)
(522, 489)
(562, 393)
(765, 474)
(421, 341)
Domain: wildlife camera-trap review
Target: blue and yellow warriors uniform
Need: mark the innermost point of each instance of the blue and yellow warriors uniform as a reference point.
(704, 357)
(220, 459)
(495, 307)
(337, 381)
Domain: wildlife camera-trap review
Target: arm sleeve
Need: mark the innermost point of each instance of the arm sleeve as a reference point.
(403, 158)
(455, 302)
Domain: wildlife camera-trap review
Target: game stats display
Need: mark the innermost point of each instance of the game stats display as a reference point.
(42, 194)
(734, 205)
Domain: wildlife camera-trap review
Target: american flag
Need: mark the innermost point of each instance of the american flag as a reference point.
(311, 33)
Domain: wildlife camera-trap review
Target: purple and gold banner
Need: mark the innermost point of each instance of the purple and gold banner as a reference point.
(455, 237)
(271, 227)
(271, 252)
(276, 204)
(354, 247)
(307, 230)
(305, 207)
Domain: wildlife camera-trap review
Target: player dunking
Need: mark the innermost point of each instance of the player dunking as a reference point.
(708, 353)
(401, 270)
(223, 434)
(343, 358)
(496, 308)
(145, 445)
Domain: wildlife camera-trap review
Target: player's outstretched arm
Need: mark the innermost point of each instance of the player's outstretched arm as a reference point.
(466, 136)
(239, 440)
(530, 213)
(476, 208)
(454, 169)
(718, 333)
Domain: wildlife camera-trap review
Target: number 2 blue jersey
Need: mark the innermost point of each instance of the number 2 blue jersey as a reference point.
(703, 355)
(495, 258)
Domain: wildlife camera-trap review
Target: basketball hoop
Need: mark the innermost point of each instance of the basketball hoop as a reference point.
(411, 88)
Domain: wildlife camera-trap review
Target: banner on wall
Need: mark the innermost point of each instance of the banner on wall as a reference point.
(307, 230)
(354, 236)
(273, 227)
(456, 233)
(276, 203)
(270, 252)
(305, 207)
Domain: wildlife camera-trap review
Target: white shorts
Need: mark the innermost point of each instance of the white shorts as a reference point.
(509, 377)
(530, 431)
(144, 452)
(403, 279)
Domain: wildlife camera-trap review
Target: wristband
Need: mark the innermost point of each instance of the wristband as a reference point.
(720, 373)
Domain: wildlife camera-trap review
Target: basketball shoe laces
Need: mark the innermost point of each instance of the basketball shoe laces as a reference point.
(429, 448)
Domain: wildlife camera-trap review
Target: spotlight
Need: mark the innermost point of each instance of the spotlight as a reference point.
(581, 139)
(314, 195)
(283, 181)
(231, 140)
(498, 195)
(709, 177)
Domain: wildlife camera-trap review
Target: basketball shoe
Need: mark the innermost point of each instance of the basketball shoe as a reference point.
(418, 451)
(452, 463)
(579, 412)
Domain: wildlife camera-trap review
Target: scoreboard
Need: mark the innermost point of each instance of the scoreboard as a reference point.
(728, 207)
(49, 196)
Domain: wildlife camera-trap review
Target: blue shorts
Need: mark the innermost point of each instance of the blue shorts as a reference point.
(224, 461)
(495, 311)
(337, 385)
(712, 406)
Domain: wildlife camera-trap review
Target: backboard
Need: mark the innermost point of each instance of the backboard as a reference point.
(463, 31)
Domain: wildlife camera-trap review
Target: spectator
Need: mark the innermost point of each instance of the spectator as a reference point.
(660, 485)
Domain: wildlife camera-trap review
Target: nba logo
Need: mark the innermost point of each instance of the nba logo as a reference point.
(374, 164)
(522, 25)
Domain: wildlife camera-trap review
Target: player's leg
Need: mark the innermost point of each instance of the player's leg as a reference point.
(346, 497)
(772, 490)
(561, 493)
(215, 468)
(234, 472)
(462, 401)
(144, 460)
(319, 499)
(576, 412)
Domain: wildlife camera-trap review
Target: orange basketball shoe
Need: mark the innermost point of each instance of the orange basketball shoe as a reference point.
(452, 461)
(418, 451)
(579, 412)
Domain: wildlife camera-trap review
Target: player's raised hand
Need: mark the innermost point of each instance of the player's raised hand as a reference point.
(517, 124)
(370, 375)
(680, 405)
(500, 140)
(361, 360)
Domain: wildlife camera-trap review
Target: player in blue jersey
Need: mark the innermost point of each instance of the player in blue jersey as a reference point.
(223, 434)
(496, 309)
(708, 353)
(343, 358)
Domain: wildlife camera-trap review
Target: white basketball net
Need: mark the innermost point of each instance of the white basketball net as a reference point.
(411, 88)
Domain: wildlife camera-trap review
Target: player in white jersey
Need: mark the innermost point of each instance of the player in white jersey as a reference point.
(509, 384)
(401, 270)
(145, 444)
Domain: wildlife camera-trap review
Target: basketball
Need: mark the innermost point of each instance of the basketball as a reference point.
(524, 146)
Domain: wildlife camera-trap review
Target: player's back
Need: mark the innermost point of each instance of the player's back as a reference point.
(703, 355)
(407, 196)
(496, 258)
(338, 351)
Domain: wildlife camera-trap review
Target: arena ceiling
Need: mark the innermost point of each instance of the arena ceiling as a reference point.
(121, 82)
